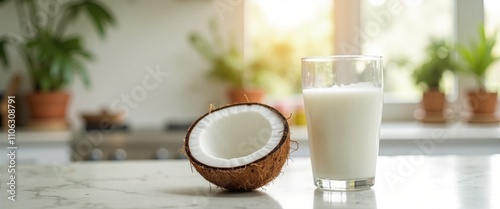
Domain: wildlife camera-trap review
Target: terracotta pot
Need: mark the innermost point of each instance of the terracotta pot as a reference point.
(433, 107)
(52, 105)
(482, 102)
(238, 95)
(433, 101)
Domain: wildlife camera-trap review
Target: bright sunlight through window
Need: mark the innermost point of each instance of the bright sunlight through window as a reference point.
(286, 32)
(402, 40)
(492, 22)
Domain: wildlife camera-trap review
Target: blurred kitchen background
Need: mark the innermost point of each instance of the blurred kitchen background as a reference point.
(149, 80)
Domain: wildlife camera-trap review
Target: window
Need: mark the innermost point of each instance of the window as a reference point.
(400, 31)
(453, 19)
(397, 29)
(492, 23)
(283, 32)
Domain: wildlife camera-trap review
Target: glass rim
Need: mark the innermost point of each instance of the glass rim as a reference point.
(340, 57)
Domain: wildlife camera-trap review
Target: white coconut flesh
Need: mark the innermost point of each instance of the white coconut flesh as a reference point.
(235, 136)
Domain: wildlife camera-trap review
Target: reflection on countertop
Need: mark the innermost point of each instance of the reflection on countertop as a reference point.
(401, 182)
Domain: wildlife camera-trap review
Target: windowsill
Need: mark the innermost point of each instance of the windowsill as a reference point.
(403, 131)
(414, 138)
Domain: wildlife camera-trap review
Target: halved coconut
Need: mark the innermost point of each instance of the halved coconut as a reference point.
(239, 147)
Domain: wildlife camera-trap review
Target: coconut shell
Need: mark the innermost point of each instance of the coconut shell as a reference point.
(252, 175)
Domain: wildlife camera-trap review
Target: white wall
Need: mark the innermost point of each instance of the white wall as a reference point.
(149, 34)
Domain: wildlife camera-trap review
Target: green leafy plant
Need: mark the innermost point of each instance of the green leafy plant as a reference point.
(478, 57)
(274, 64)
(228, 63)
(439, 60)
(51, 56)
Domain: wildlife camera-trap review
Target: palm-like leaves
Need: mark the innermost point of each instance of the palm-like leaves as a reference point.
(58, 60)
(100, 17)
(479, 56)
(51, 57)
(3, 51)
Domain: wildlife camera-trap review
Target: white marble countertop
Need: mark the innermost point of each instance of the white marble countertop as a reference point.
(401, 182)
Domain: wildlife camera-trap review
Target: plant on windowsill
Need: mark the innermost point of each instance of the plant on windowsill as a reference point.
(429, 76)
(51, 56)
(477, 60)
(228, 65)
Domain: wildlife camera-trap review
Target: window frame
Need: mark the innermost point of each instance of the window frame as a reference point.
(347, 24)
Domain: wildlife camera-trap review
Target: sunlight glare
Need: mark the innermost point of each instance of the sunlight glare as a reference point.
(288, 14)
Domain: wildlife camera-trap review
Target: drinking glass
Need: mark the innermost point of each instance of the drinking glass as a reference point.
(343, 97)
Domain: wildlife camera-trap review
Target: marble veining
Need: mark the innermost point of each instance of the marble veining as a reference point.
(401, 182)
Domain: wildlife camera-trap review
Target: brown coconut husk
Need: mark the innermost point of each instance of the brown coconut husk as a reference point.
(252, 175)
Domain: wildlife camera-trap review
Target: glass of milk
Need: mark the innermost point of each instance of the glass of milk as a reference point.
(343, 98)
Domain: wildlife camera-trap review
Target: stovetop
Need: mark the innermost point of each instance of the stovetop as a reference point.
(119, 142)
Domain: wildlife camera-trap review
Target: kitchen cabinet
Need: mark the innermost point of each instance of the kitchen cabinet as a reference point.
(38, 147)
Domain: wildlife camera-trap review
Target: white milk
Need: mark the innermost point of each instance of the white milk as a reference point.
(343, 128)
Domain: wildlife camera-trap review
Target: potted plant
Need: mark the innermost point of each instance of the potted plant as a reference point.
(51, 56)
(429, 75)
(477, 59)
(228, 65)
